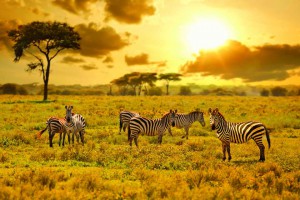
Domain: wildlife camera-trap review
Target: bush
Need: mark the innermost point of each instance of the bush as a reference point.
(279, 91)
(155, 91)
(265, 93)
(185, 90)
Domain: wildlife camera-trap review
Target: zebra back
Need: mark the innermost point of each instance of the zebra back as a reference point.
(185, 120)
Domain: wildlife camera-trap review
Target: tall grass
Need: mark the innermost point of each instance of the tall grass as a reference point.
(107, 168)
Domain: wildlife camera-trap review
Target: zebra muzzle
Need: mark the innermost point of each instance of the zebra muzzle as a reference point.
(213, 127)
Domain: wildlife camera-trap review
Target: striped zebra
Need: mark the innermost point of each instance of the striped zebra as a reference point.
(54, 125)
(125, 117)
(140, 125)
(75, 123)
(186, 120)
(238, 133)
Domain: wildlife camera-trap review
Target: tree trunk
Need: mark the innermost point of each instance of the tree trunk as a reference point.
(46, 79)
(167, 88)
(45, 91)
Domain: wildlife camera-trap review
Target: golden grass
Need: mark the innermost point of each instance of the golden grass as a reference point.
(107, 168)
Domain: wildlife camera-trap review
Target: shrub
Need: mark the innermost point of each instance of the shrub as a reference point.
(185, 90)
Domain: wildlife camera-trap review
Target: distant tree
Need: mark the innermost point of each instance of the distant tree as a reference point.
(121, 83)
(148, 79)
(185, 90)
(169, 77)
(43, 41)
(155, 91)
(9, 88)
(265, 93)
(279, 91)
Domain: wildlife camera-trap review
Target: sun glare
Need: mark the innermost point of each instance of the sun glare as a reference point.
(207, 33)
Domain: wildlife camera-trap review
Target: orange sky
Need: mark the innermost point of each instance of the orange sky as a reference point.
(163, 36)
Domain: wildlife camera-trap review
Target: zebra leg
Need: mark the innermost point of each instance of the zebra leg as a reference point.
(63, 139)
(160, 138)
(169, 130)
(261, 147)
(59, 139)
(136, 142)
(186, 133)
(81, 133)
(224, 150)
(262, 153)
(228, 152)
(50, 139)
(124, 127)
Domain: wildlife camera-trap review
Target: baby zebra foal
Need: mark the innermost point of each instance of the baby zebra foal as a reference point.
(140, 125)
(238, 132)
(54, 125)
(125, 117)
(75, 123)
(186, 120)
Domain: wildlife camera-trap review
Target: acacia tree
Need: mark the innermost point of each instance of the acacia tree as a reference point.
(169, 77)
(43, 41)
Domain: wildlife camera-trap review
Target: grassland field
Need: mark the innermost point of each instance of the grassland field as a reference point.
(106, 167)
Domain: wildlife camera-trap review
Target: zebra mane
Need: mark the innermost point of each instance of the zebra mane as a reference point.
(165, 115)
(220, 115)
(196, 111)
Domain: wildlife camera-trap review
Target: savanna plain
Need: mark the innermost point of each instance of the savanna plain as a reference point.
(106, 167)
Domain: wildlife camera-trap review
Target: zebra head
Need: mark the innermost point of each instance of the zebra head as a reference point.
(68, 113)
(200, 118)
(213, 118)
(173, 116)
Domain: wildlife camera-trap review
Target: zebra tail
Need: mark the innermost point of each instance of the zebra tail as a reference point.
(268, 137)
(39, 134)
(129, 132)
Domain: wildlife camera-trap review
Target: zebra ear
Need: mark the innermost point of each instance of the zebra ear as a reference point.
(217, 109)
(209, 110)
(175, 111)
(66, 107)
(71, 107)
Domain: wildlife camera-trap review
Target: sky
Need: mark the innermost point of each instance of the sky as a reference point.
(221, 42)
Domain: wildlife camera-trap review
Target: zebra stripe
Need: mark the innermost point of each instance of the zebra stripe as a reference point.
(140, 125)
(54, 125)
(75, 123)
(238, 133)
(125, 117)
(186, 120)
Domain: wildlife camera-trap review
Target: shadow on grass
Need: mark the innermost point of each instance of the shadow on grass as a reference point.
(16, 102)
(242, 162)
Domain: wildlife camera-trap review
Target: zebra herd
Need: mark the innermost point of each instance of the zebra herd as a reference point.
(227, 132)
(71, 123)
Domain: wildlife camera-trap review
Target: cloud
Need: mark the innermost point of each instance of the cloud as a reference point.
(142, 59)
(235, 60)
(108, 59)
(88, 67)
(71, 59)
(128, 11)
(38, 11)
(5, 26)
(74, 6)
(99, 42)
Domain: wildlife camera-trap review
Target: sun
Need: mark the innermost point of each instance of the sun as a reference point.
(207, 33)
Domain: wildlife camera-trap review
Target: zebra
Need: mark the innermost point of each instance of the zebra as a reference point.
(186, 120)
(238, 133)
(54, 125)
(75, 123)
(125, 117)
(138, 125)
